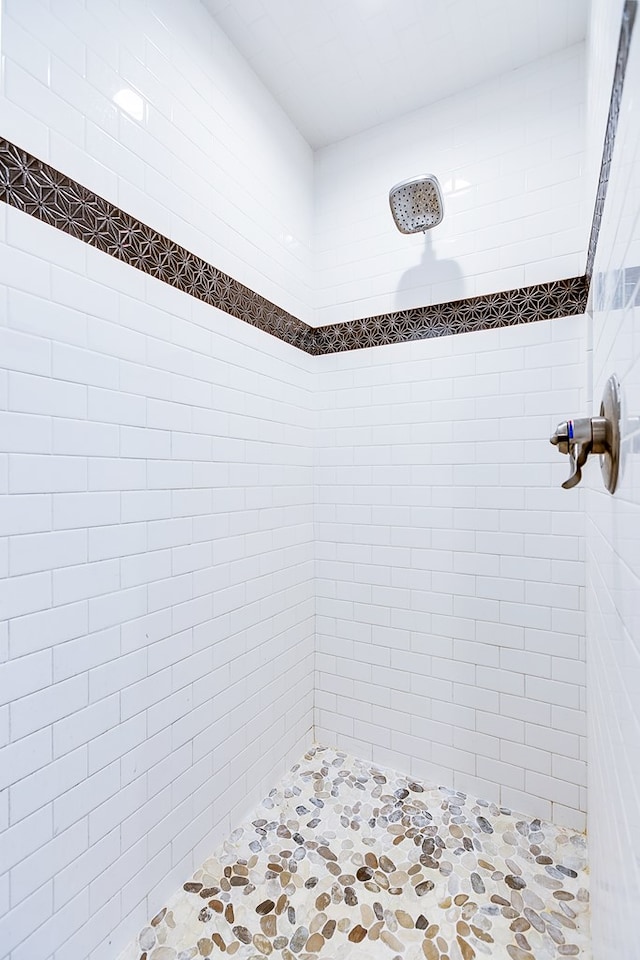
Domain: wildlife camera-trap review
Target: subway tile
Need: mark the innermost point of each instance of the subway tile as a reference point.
(26, 594)
(112, 406)
(47, 783)
(29, 354)
(30, 553)
(81, 438)
(553, 692)
(54, 855)
(46, 474)
(39, 710)
(20, 759)
(80, 510)
(74, 877)
(25, 433)
(24, 514)
(25, 675)
(550, 788)
(72, 363)
(41, 630)
(18, 923)
(84, 725)
(85, 796)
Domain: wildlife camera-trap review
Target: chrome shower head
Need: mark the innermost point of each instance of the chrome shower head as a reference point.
(416, 204)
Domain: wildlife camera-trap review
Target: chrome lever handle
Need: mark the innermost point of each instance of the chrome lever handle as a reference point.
(579, 438)
(577, 463)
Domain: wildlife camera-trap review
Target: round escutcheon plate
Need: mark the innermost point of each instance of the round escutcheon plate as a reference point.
(610, 408)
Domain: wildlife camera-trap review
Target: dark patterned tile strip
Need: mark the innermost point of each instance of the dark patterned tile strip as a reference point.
(626, 29)
(43, 192)
(543, 301)
(36, 188)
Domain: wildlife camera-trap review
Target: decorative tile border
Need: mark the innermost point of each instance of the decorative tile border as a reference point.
(624, 43)
(36, 188)
(544, 301)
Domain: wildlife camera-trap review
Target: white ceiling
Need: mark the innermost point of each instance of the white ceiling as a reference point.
(340, 66)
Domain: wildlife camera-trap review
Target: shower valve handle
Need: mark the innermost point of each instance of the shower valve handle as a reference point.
(579, 438)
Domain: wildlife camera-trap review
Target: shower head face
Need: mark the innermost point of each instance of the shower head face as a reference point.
(416, 204)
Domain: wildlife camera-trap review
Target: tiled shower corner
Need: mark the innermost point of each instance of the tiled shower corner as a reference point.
(344, 859)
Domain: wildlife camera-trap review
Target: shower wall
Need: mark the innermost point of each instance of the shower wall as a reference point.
(613, 526)
(150, 106)
(156, 498)
(450, 590)
(510, 156)
(158, 601)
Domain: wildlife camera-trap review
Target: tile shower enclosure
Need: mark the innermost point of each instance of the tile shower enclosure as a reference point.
(213, 541)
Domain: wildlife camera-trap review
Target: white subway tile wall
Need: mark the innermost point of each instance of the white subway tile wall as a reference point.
(450, 591)
(156, 647)
(509, 155)
(156, 499)
(613, 529)
(156, 636)
(150, 106)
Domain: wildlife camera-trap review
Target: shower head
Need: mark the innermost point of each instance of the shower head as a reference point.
(416, 204)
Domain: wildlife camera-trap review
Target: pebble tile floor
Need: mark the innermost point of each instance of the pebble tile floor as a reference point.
(348, 860)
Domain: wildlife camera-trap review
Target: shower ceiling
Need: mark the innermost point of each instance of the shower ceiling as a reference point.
(340, 66)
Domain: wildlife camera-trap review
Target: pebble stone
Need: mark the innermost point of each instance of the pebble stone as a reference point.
(357, 934)
(344, 860)
(147, 938)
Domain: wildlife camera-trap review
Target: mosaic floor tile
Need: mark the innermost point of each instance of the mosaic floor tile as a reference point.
(344, 859)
